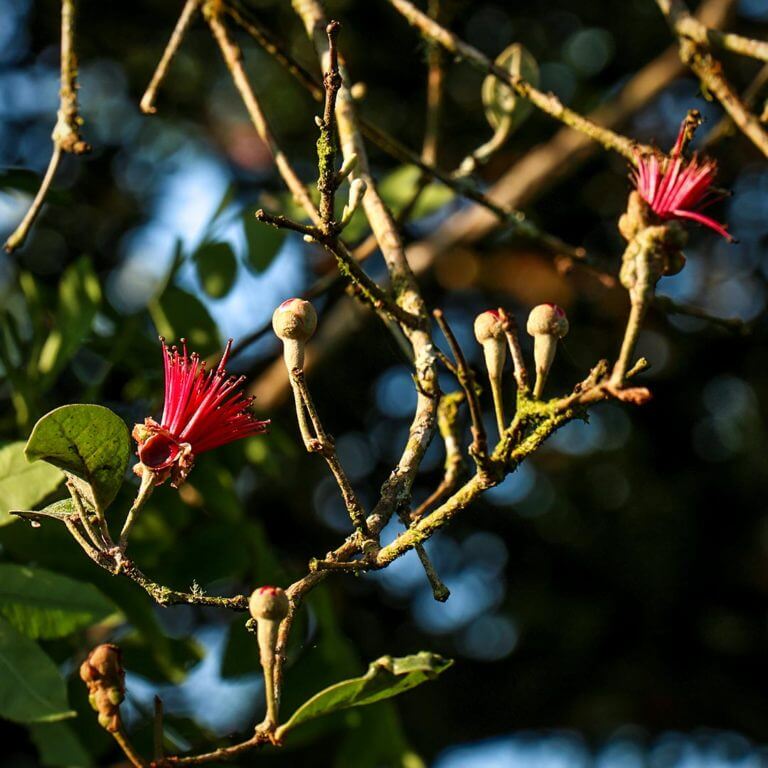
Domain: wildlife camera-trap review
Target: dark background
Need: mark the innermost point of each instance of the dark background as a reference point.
(609, 599)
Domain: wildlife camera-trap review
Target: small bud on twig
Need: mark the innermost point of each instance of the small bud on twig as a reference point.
(547, 323)
(268, 607)
(349, 165)
(356, 192)
(489, 332)
(294, 323)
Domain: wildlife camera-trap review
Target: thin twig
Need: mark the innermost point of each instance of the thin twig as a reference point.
(157, 729)
(479, 449)
(435, 82)
(322, 444)
(233, 58)
(145, 491)
(348, 267)
(696, 54)
(125, 744)
(217, 755)
(66, 133)
(439, 591)
(449, 427)
(94, 534)
(546, 102)
(513, 340)
(686, 25)
(22, 230)
(513, 218)
(326, 143)
(147, 104)
(671, 307)
(725, 126)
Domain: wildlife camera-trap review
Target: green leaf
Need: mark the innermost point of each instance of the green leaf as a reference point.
(43, 604)
(504, 109)
(59, 510)
(398, 188)
(178, 314)
(23, 484)
(31, 687)
(216, 268)
(263, 242)
(386, 677)
(374, 737)
(58, 746)
(227, 199)
(88, 441)
(79, 298)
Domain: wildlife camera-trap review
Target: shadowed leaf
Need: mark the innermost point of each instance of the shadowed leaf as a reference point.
(23, 484)
(42, 604)
(216, 268)
(31, 688)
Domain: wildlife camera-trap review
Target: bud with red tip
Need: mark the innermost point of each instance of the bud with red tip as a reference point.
(489, 332)
(268, 603)
(294, 323)
(268, 606)
(547, 323)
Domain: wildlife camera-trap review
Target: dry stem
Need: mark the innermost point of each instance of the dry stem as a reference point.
(66, 133)
(147, 103)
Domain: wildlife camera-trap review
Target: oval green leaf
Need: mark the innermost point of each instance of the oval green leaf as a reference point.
(178, 314)
(31, 688)
(23, 484)
(399, 187)
(58, 746)
(42, 604)
(216, 268)
(79, 299)
(262, 241)
(504, 109)
(386, 677)
(88, 441)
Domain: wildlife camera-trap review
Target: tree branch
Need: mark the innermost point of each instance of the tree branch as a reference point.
(66, 133)
(147, 103)
(546, 102)
(696, 54)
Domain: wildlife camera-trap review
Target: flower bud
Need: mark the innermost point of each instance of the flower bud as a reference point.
(489, 331)
(105, 662)
(357, 189)
(294, 319)
(547, 323)
(268, 607)
(103, 673)
(488, 327)
(270, 603)
(294, 322)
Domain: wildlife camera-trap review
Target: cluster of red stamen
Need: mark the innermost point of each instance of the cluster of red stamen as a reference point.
(678, 188)
(202, 410)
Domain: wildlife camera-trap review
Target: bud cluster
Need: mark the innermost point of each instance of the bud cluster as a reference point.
(103, 673)
(494, 329)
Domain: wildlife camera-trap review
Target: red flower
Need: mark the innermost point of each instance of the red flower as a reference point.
(677, 188)
(202, 411)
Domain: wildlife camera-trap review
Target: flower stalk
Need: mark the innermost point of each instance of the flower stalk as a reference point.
(148, 480)
(489, 332)
(268, 606)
